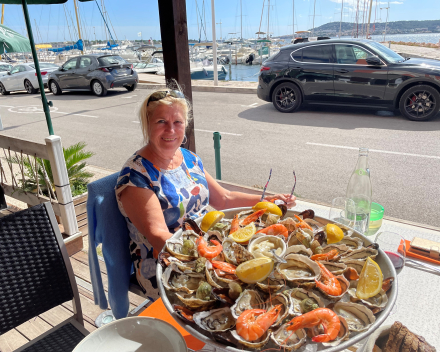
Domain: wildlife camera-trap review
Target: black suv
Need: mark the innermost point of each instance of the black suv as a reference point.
(360, 73)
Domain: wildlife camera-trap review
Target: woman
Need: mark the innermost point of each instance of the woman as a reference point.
(168, 184)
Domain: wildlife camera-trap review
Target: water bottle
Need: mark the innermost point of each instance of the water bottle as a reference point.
(359, 189)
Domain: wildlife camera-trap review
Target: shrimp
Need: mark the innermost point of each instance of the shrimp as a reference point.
(252, 218)
(276, 229)
(253, 323)
(235, 224)
(223, 266)
(209, 252)
(325, 256)
(331, 284)
(324, 316)
(302, 224)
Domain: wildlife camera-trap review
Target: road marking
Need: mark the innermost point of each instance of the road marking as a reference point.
(60, 112)
(85, 115)
(376, 150)
(6, 106)
(136, 121)
(253, 104)
(250, 106)
(232, 134)
(129, 97)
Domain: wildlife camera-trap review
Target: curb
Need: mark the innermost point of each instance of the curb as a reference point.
(240, 90)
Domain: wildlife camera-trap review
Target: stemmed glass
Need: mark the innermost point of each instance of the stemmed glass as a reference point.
(394, 247)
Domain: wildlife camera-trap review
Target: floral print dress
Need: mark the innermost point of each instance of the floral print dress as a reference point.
(182, 192)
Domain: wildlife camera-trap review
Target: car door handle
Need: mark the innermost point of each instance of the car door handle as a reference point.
(342, 71)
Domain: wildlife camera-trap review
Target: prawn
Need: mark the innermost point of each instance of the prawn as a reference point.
(325, 256)
(252, 218)
(302, 224)
(235, 224)
(223, 266)
(253, 323)
(276, 229)
(320, 316)
(331, 284)
(209, 252)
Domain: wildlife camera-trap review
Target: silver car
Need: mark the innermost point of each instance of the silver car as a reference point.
(94, 72)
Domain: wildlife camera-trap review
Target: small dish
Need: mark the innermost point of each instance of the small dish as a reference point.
(278, 242)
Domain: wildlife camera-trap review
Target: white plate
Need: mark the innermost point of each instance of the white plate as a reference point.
(136, 334)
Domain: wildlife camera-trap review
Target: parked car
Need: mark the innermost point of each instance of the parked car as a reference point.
(24, 77)
(4, 69)
(360, 73)
(95, 72)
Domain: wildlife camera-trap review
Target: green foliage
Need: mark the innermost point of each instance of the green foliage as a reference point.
(75, 158)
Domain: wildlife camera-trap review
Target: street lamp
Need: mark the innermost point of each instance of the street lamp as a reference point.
(386, 21)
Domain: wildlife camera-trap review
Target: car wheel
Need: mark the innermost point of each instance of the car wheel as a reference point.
(54, 88)
(98, 88)
(286, 97)
(3, 91)
(132, 87)
(29, 87)
(420, 103)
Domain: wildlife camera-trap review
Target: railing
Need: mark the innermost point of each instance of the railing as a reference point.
(24, 176)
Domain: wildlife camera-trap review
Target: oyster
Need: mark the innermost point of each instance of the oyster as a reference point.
(335, 268)
(352, 242)
(343, 334)
(345, 285)
(175, 247)
(263, 340)
(235, 253)
(248, 299)
(360, 254)
(355, 264)
(298, 295)
(217, 320)
(288, 340)
(290, 225)
(270, 285)
(212, 278)
(341, 248)
(315, 225)
(192, 302)
(176, 281)
(377, 302)
(299, 268)
(280, 298)
(359, 318)
(261, 246)
(299, 249)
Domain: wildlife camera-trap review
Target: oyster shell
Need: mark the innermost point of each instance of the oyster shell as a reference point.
(299, 268)
(355, 264)
(345, 285)
(315, 225)
(263, 340)
(176, 281)
(359, 318)
(235, 253)
(299, 249)
(343, 334)
(259, 247)
(217, 320)
(342, 248)
(212, 278)
(297, 295)
(282, 299)
(290, 225)
(270, 285)
(174, 247)
(360, 254)
(192, 302)
(288, 340)
(248, 299)
(335, 268)
(377, 302)
(352, 242)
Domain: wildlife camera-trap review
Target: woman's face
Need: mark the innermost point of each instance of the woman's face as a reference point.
(167, 128)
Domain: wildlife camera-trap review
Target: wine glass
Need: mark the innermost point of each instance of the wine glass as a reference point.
(394, 247)
(343, 211)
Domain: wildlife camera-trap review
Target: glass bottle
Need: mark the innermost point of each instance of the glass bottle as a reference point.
(359, 189)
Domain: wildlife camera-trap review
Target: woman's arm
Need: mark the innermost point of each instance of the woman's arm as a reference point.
(143, 209)
(220, 198)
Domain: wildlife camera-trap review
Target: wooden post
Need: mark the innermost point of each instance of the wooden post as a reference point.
(174, 32)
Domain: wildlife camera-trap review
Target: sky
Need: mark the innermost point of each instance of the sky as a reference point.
(128, 18)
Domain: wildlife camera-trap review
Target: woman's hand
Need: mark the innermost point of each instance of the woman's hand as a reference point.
(290, 201)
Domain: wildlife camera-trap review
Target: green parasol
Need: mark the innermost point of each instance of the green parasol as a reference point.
(11, 41)
(24, 4)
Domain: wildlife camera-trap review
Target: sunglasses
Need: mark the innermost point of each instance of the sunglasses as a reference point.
(162, 94)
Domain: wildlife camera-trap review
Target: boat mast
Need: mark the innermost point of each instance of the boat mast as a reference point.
(293, 20)
(369, 18)
(241, 20)
(197, 17)
(77, 23)
(3, 12)
(340, 23)
(268, 11)
(313, 26)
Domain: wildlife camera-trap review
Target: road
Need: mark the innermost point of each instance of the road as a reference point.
(319, 143)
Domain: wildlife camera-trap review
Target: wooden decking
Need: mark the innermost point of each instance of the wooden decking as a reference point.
(29, 330)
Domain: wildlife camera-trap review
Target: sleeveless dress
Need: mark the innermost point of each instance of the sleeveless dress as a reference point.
(182, 192)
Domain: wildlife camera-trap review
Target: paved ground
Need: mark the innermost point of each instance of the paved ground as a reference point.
(319, 143)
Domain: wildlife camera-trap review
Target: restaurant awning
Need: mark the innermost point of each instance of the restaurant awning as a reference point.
(12, 42)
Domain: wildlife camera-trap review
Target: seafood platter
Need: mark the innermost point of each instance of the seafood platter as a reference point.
(271, 278)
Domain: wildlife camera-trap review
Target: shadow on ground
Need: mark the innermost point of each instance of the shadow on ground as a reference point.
(111, 93)
(345, 118)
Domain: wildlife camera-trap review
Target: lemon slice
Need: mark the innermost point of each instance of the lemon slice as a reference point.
(210, 219)
(270, 208)
(254, 270)
(334, 233)
(244, 234)
(370, 280)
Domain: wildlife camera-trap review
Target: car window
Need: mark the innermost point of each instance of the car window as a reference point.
(69, 65)
(85, 61)
(350, 54)
(385, 52)
(297, 55)
(16, 69)
(44, 65)
(316, 54)
(283, 56)
(111, 60)
(22, 68)
(5, 68)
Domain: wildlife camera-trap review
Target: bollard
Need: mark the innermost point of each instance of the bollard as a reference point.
(218, 164)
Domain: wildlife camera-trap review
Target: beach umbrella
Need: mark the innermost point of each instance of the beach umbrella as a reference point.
(12, 42)
(24, 4)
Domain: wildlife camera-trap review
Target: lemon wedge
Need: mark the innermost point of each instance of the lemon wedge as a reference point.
(334, 233)
(244, 234)
(255, 270)
(210, 219)
(270, 208)
(370, 280)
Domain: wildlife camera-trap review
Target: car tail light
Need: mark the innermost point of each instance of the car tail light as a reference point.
(103, 69)
(131, 66)
(264, 68)
(43, 73)
(111, 86)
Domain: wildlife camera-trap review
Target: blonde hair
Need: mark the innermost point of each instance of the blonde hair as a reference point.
(146, 111)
